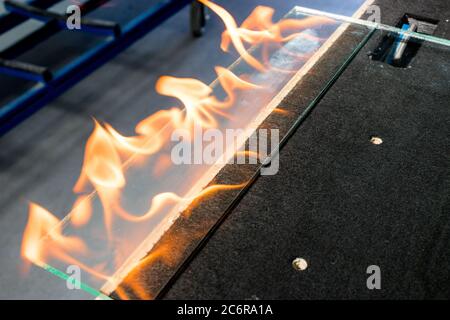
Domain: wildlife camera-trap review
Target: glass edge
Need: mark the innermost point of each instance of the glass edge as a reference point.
(98, 294)
(370, 24)
(82, 286)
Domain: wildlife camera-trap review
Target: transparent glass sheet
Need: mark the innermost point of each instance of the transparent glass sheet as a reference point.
(113, 248)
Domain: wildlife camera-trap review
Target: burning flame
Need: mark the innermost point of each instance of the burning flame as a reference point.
(102, 163)
(81, 211)
(108, 153)
(259, 28)
(42, 223)
(197, 96)
(150, 138)
(165, 198)
(103, 170)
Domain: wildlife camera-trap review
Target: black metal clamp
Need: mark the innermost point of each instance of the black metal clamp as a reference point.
(198, 18)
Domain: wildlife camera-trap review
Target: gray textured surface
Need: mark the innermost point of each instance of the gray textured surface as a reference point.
(342, 203)
(40, 159)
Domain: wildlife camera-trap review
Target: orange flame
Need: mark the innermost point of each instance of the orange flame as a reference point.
(150, 137)
(132, 287)
(234, 34)
(259, 28)
(198, 99)
(102, 163)
(42, 223)
(81, 211)
(107, 152)
(162, 199)
(103, 168)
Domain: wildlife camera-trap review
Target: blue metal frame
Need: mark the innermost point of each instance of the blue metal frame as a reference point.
(100, 27)
(18, 110)
(28, 72)
(11, 20)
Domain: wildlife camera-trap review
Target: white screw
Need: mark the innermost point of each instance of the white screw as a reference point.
(376, 140)
(299, 264)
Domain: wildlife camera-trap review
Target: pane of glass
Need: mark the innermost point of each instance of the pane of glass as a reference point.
(154, 273)
(108, 244)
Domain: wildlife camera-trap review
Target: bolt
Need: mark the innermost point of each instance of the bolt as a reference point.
(299, 264)
(376, 140)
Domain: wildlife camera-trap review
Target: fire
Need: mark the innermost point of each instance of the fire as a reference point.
(82, 211)
(102, 163)
(108, 153)
(103, 166)
(163, 199)
(42, 223)
(103, 169)
(133, 283)
(259, 29)
(234, 34)
(281, 111)
(138, 290)
(249, 154)
(150, 136)
(197, 97)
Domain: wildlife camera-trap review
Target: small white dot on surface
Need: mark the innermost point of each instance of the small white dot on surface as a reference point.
(300, 264)
(376, 140)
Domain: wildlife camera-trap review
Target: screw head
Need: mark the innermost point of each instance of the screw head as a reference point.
(299, 264)
(376, 140)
